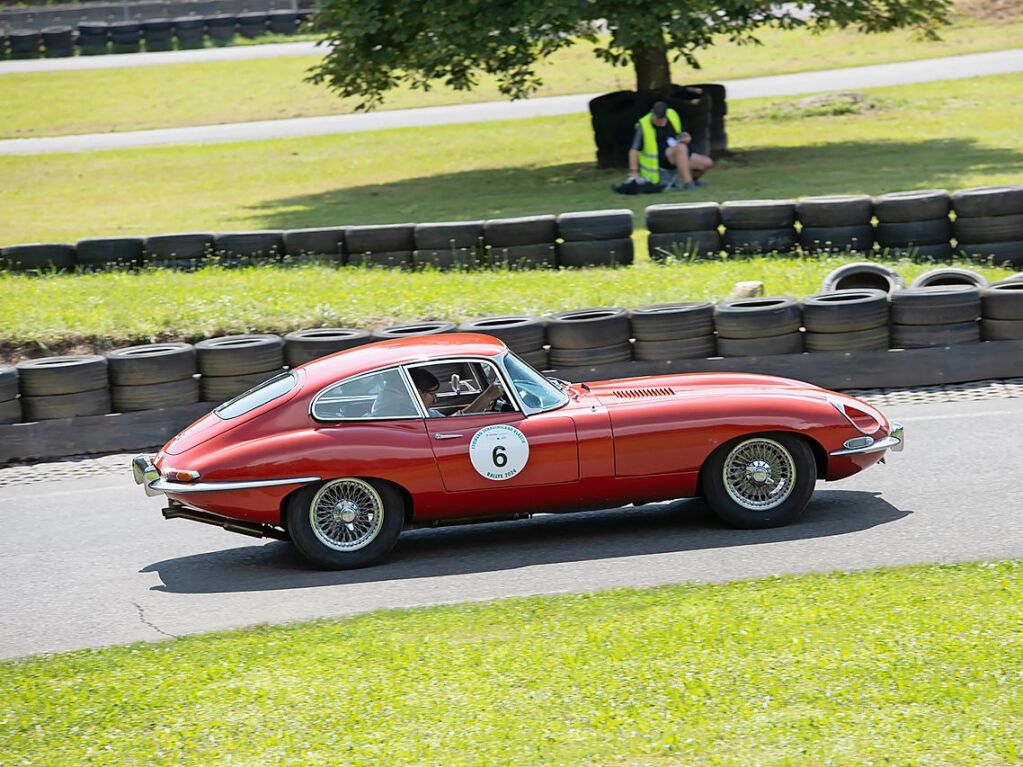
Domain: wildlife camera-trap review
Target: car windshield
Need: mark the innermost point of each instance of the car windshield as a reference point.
(269, 390)
(535, 391)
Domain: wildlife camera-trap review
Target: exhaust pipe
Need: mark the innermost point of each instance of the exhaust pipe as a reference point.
(254, 529)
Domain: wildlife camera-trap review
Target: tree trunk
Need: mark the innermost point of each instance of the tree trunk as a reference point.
(652, 71)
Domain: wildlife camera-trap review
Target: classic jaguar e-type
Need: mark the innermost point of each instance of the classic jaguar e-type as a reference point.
(343, 453)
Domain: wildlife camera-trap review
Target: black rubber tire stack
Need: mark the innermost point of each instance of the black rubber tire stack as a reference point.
(836, 224)
(390, 245)
(693, 105)
(595, 238)
(914, 224)
(588, 337)
(158, 34)
(949, 275)
(253, 24)
(718, 134)
(612, 116)
(521, 243)
(186, 250)
(57, 42)
(93, 38)
(10, 405)
(523, 334)
(1002, 311)
(283, 22)
(846, 320)
(429, 328)
(448, 244)
(673, 331)
(989, 224)
(862, 275)
(39, 257)
(231, 365)
(103, 253)
(686, 231)
(302, 346)
(125, 37)
(759, 227)
(63, 387)
(248, 248)
(189, 31)
(221, 28)
(326, 244)
(757, 327)
(941, 315)
(152, 376)
(24, 43)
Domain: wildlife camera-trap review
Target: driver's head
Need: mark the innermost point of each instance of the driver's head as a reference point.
(426, 384)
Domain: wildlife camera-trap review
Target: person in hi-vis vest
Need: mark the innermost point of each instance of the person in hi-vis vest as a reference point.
(660, 144)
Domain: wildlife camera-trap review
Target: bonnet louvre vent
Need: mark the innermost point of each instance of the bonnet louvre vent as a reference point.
(638, 393)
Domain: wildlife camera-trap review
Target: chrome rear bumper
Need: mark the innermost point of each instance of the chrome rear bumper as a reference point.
(895, 441)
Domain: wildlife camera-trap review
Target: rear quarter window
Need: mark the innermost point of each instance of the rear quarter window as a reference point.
(265, 392)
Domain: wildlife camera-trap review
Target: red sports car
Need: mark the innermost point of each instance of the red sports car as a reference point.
(341, 454)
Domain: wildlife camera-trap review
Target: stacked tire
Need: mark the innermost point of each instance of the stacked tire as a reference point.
(862, 275)
(283, 22)
(190, 31)
(24, 43)
(231, 365)
(319, 243)
(939, 315)
(589, 337)
(914, 224)
(836, 224)
(989, 224)
(673, 331)
(448, 245)
(757, 327)
(221, 28)
(38, 257)
(595, 238)
(57, 42)
(63, 387)
(125, 37)
(187, 250)
(248, 248)
(10, 405)
(253, 24)
(413, 329)
(302, 346)
(93, 38)
(684, 231)
(152, 376)
(846, 320)
(1002, 311)
(527, 242)
(755, 227)
(158, 34)
(388, 246)
(523, 334)
(103, 253)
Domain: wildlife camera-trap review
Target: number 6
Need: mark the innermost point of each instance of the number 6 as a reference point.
(499, 456)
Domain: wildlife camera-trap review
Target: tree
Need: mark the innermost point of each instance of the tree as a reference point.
(376, 45)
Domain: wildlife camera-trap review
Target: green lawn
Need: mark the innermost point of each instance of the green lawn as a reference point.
(198, 94)
(911, 666)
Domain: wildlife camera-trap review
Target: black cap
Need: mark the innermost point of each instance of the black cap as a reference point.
(659, 109)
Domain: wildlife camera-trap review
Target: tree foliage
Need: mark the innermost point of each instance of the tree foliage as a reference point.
(377, 45)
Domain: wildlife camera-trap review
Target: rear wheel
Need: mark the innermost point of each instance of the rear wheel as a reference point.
(759, 481)
(345, 523)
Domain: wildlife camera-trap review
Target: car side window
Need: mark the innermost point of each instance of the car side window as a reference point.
(378, 395)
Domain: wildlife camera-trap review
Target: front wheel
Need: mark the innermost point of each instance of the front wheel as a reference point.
(345, 523)
(764, 480)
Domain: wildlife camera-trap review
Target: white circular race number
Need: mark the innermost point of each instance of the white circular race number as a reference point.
(498, 452)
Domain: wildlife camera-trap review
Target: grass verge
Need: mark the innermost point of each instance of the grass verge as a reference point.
(910, 666)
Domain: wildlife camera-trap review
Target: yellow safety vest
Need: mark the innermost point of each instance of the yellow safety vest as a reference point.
(649, 164)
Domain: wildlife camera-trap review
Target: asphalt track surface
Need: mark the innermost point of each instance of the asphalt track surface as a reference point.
(927, 70)
(91, 562)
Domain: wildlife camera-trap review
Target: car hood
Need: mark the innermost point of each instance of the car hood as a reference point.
(627, 390)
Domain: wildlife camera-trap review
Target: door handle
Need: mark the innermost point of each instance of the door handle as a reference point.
(446, 435)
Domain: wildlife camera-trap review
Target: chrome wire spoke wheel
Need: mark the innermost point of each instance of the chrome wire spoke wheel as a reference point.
(346, 514)
(759, 474)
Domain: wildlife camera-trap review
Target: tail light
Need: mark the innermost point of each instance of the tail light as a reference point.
(181, 475)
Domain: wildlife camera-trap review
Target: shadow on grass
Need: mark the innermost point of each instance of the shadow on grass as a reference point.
(661, 528)
(872, 167)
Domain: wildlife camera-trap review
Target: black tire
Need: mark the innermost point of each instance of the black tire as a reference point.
(126, 399)
(922, 336)
(283, 22)
(585, 253)
(669, 322)
(8, 382)
(414, 329)
(538, 360)
(748, 242)
(757, 317)
(984, 229)
(520, 332)
(302, 346)
(600, 355)
(835, 211)
(787, 343)
(240, 355)
(448, 235)
(179, 247)
(936, 305)
(949, 276)
(528, 230)
(837, 239)
(189, 31)
(669, 218)
(52, 376)
(933, 231)
(922, 205)
(24, 43)
(988, 201)
(860, 275)
(151, 364)
(221, 28)
(126, 251)
(845, 311)
(41, 257)
(458, 259)
(249, 246)
(10, 411)
(697, 245)
(386, 259)
(380, 239)
(758, 214)
(300, 526)
(223, 388)
(587, 329)
(328, 243)
(1001, 330)
(870, 339)
(540, 256)
(1003, 300)
(998, 253)
(940, 252)
(595, 225)
(801, 463)
(57, 42)
(252, 24)
(674, 349)
(95, 402)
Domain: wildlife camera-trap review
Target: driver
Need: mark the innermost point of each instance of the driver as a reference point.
(426, 384)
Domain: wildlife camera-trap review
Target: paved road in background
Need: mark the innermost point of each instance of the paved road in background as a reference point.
(91, 562)
(928, 70)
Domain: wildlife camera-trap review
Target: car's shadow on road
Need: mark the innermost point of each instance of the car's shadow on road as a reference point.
(653, 529)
